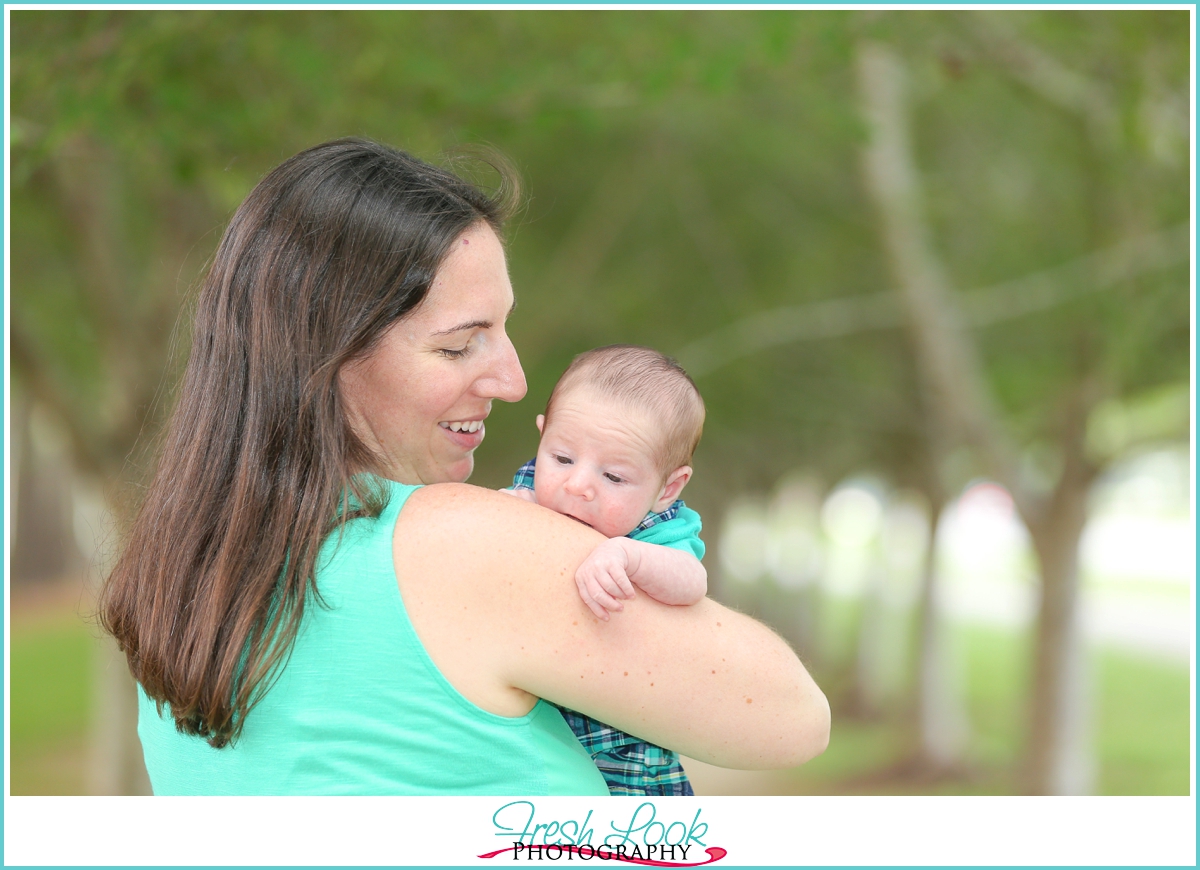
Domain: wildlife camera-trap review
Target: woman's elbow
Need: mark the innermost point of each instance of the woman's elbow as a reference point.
(807, 732)
(814, 732)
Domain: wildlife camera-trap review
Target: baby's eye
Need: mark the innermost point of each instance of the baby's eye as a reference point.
(563, 460)
(614, 478)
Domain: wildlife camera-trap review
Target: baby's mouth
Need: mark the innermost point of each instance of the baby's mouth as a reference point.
(578, 520)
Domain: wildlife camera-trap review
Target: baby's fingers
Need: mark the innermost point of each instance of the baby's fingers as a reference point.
(624, 586)
(590, 592)
(605, 598)
(592, 586)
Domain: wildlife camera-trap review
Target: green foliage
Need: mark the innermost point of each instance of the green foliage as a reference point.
(686, 169)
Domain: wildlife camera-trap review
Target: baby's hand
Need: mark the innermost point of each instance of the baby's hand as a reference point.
(603, 578)
(525, 494)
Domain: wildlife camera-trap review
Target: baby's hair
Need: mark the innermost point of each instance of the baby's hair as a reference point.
(643, 378)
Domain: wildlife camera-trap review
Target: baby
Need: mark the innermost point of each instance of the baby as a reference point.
(617, 442)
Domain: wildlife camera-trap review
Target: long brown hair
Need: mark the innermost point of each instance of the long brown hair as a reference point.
(259, 464)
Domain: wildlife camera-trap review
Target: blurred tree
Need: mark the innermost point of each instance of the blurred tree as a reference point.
(1103, 252)
(1080, 362)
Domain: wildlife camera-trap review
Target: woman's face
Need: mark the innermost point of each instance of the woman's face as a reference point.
(419, 399)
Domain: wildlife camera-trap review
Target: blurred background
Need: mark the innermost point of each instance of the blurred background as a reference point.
(930, 271)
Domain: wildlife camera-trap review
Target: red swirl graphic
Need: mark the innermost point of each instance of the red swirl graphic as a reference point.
(715, 853)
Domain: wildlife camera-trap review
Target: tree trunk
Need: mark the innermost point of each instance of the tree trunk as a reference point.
(949, 369)
(941, 718)
(115, 765)
(879, 643)
(954, 400)
(961, 412)
(1059, 758)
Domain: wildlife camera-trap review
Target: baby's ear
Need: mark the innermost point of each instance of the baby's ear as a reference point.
(541, 421)
(674, 485)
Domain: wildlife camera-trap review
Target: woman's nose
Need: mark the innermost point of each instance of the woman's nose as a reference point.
(505, 380)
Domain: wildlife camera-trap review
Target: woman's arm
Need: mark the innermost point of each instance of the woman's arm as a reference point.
(488, 583)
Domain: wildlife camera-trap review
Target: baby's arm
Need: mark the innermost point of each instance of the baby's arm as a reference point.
(664, 573)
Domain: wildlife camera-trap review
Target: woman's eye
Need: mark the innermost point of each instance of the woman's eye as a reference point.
(612, 477)
(452, 353)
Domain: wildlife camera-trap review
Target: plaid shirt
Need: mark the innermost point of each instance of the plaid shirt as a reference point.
(629, 765)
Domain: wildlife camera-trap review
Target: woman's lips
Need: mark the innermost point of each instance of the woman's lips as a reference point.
(464, 437)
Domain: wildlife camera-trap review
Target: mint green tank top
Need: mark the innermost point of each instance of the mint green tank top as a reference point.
(360, 707)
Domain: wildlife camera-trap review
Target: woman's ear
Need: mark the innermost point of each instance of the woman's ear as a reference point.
(673, 485)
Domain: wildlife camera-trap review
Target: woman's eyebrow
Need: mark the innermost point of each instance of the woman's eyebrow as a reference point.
(474, 324)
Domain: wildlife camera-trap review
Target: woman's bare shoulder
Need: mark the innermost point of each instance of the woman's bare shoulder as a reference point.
(463, 530)
(471, 563)
(450, 508)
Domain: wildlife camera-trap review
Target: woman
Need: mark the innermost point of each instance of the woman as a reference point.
(311, 600)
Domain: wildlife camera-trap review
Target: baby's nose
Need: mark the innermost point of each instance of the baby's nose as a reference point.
(577, 484)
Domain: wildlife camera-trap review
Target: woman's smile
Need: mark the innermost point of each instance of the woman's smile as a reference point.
(467, 434)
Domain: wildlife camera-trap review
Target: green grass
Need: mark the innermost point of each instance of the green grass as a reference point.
(50, 699)
(50, 679)
(1144, 726)
(1141, 728)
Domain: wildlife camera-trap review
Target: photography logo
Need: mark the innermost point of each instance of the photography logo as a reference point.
(645, 839)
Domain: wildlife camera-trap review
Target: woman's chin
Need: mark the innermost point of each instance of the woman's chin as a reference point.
(457, 472)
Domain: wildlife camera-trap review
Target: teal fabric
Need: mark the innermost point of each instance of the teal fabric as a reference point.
(362, 709)
(681, 532)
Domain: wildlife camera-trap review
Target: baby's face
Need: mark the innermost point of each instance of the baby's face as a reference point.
(594, 463)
